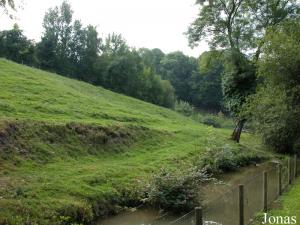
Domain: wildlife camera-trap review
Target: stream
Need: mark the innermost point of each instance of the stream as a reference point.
(220, 200)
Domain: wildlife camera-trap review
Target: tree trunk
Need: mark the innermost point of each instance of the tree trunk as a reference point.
(236, 134)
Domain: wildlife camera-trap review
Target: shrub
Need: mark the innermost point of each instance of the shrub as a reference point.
(176, 191)
(184, 108)
(210, 121)
(226, 159)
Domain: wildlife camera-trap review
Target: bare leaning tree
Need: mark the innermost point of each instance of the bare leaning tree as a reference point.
(237, 28)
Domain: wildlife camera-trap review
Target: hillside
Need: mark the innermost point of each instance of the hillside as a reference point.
(71, 149)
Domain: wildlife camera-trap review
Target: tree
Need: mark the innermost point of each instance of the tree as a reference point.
(115, 45)
(6, 5)
(207, 86)
(152, 58)
(275, 108)
(232, 25)
(123, 74)
(90, 54)
(15, 46)
(178, 69)
(54, 49)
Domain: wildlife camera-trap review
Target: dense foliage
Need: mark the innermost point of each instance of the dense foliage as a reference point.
(275, 109)
(15, 46)
(237, 27)
(226, 159)
(177, 192)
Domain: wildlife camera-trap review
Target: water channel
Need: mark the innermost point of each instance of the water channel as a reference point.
(220, 200)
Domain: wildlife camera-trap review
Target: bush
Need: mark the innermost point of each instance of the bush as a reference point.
(184, 108)
(226, 159)
(176, 191)
(210, 121)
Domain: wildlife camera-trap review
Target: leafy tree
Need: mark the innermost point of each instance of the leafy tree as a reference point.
(206, 85)
(127, 74)
(231, 24)
(123, 74)
(168, 94)
(15, 46)
(77, 48)
(90, 53)
(152, 58)
(54, 49)
(275, 108)
(6, 5)
(115, 45)
(178, 69)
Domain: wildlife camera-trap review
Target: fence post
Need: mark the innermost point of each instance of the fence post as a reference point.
(290, 170)
(198, 216)
(295, 166)
(279, 179)
(265, 191)
(241, 204)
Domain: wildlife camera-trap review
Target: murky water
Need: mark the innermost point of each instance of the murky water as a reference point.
(220, 200)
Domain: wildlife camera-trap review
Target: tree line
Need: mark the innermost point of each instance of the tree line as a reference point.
(69, 48)
(261, 79)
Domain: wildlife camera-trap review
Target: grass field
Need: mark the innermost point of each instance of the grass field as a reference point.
(70, 149)
(288, 205)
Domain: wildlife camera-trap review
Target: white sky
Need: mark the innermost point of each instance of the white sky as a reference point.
(143, 23)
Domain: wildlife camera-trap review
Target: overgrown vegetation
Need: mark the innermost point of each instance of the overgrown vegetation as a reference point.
(177, 191)
(227, 159)
(275, 108)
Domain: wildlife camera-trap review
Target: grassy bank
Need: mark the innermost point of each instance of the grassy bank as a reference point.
(70, 151)
(286, 205)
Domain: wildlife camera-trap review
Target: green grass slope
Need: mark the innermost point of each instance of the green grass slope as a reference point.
(288, 205)
(73, 151)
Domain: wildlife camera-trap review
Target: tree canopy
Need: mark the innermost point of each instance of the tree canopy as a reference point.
(237, 27)
(275, 108)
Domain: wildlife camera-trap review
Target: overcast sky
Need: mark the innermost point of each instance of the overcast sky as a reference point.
(143, 23)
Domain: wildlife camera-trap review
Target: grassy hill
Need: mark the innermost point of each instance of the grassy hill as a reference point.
(70, 149)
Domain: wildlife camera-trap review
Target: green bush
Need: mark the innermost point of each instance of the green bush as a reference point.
(184, 108)
(211, 121)
(176, 191)
(226, 159)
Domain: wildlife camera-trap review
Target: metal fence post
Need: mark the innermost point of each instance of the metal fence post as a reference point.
(280, 179)
(265, 191)
(241, 204)
(198, 216)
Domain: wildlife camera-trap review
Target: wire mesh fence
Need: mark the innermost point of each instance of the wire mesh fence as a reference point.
(224, 209)
(187, 219)
(285, 174)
